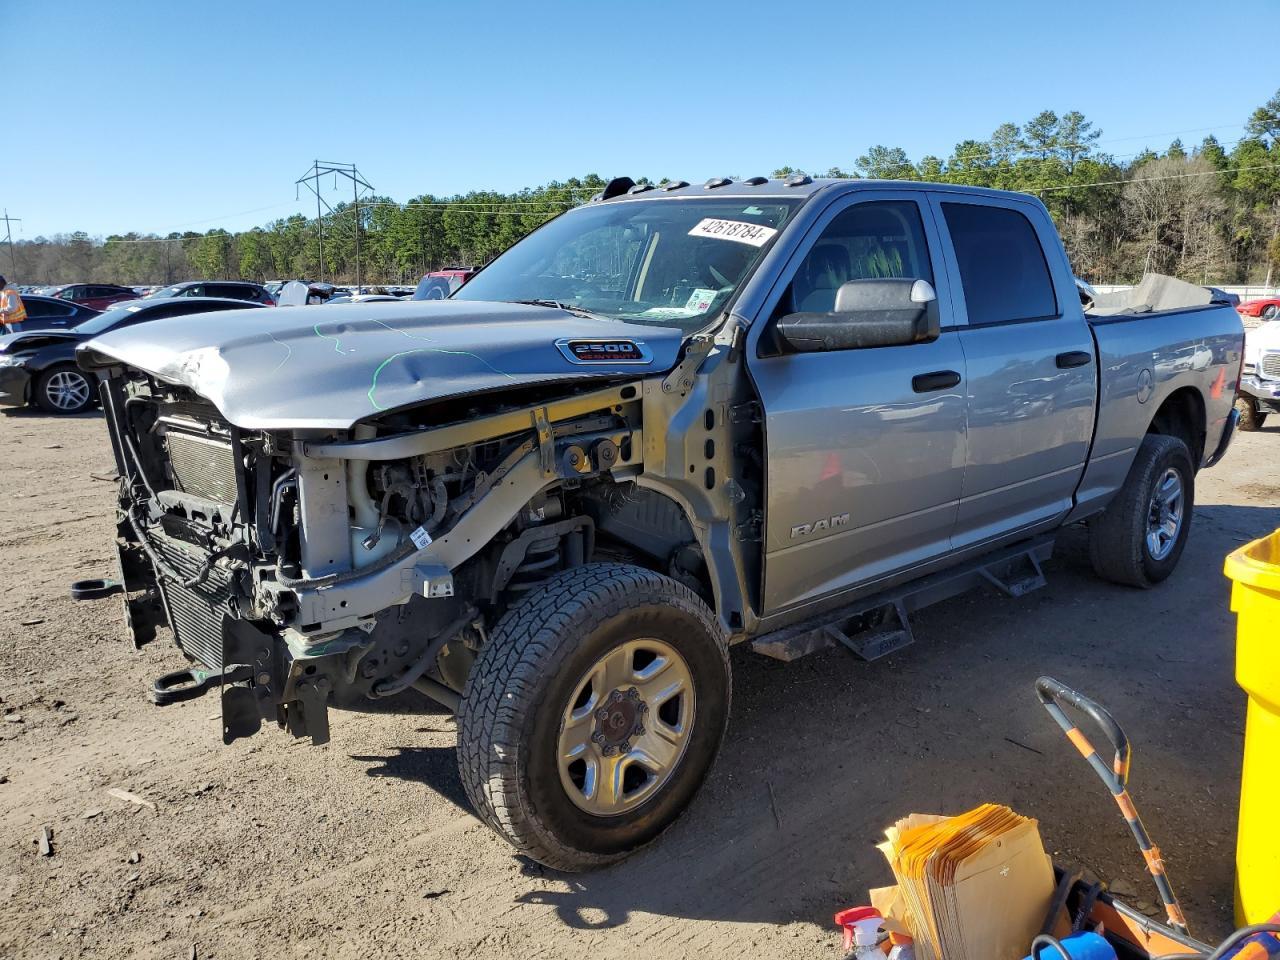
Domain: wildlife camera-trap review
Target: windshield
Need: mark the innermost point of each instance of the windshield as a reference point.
(673, 262)
(104, 321)
(165, 292)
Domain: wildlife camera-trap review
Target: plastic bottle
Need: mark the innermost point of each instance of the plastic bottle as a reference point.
(861, 933)
(1081, 946)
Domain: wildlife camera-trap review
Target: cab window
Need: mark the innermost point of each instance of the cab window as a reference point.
(868, 241)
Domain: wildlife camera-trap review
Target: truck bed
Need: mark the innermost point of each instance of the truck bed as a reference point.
(1162, 338)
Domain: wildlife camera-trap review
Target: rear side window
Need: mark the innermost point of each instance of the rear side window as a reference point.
(1002, 265)
(43, 308)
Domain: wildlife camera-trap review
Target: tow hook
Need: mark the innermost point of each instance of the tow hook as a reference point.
(95, 589)
(181, 685)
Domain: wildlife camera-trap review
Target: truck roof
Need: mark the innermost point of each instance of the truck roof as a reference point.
(794, 186)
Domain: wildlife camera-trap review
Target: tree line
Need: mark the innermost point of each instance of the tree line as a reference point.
(1205, 213)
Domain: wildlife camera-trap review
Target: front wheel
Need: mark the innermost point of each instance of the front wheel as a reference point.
(1251, 417)
(1138, 539)
(593, 714)
(63, 389)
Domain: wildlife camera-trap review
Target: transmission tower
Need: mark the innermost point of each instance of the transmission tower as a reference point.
(8, 236)
(311, 179)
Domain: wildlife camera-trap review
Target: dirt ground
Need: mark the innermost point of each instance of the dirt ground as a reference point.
(365, 848)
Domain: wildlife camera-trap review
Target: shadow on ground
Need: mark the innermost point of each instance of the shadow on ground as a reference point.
(942, 726)
(35, 413)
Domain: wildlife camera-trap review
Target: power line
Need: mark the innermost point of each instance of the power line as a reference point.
(1034, 190)
(1171, 176)
(240, 213)
(205, 236)
(482, 207)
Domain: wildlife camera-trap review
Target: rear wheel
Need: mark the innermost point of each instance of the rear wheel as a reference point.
(1251, 418)
(63, 389)
(1138, 539)
(593, 714)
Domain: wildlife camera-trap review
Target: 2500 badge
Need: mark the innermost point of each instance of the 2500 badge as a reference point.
(604, 351)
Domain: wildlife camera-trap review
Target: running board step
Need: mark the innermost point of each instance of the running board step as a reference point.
(872, 643)
(879, 625)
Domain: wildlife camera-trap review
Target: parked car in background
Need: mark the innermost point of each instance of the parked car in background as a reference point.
(298, 293)
(1223, 296)
(50, 313)
(364, 298)
(1260, 379)
(1086, 291)
(1266, 308)
(222, 289)
(96, 296)
(441, 283)
(40, 366)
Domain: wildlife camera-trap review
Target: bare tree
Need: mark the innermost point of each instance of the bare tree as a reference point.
(1175, 212)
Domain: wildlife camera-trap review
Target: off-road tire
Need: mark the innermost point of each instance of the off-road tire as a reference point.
(40, 390)
(1117, 537)
(509, 719)
(1251, 418)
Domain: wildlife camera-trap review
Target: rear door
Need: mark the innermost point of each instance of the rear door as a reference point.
(866, 447)
(1031, 387)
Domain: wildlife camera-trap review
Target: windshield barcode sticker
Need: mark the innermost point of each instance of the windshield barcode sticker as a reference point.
(736, 230)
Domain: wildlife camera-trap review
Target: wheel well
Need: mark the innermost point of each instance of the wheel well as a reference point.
(650, 530)
(1182, 415)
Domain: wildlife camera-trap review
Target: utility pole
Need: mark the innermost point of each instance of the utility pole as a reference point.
(8, 236)
(312, 181)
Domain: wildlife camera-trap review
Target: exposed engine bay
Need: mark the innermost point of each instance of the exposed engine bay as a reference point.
(301, 569)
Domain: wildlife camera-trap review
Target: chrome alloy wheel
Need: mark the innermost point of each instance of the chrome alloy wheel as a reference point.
(67, 390)
(626, 727)
(1164, 515)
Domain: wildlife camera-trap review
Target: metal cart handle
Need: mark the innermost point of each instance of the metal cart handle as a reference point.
(1052, 694)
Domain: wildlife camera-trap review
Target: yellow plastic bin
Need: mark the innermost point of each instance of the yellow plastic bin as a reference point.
(1255, 598)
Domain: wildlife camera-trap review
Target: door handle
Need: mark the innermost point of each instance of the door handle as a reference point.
(938, 380)
(1074, 358)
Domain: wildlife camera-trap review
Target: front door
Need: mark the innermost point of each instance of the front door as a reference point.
(866, 447)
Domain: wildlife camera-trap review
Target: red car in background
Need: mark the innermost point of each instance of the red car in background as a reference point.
(1268, 308)
(95, 296)
(438, 284)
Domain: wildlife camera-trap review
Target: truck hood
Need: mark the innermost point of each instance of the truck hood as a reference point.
(328, 367)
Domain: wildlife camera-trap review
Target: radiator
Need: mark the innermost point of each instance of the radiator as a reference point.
(202, 466)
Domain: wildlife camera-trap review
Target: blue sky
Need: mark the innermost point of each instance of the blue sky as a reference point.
(156, 116)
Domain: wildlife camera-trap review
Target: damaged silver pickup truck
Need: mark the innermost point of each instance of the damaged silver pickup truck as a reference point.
(674, 418)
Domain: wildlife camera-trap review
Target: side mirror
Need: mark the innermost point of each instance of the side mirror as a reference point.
(868, 313)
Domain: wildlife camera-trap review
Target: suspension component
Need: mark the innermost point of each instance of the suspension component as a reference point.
(541, 551)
